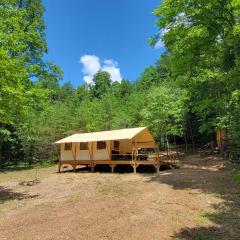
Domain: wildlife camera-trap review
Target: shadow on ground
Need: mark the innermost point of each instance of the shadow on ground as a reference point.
(226, 217)
(146, 169)
(7, 194)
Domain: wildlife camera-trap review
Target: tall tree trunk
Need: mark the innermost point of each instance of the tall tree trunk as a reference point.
(1, 157)
(167, 144)
(174, 139)
(191, 135)
(185, 140)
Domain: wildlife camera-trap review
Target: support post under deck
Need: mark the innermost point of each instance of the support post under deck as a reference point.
(59, 166)
(112, 168)
(92, 167)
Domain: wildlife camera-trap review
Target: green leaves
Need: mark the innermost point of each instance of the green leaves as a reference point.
(22, 99)
(202, 38)
(102, 83)
(164, 111)
(22, 46)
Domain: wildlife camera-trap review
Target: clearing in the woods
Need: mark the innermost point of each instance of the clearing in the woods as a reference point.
(200, 200)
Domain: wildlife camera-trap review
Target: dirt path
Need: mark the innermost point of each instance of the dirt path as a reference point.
(198, 201)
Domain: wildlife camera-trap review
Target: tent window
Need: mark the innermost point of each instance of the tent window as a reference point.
(101, 145)
(83, 146)
(68, 146)
(116, 144)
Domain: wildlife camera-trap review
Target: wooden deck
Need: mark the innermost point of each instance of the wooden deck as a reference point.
(113, 163)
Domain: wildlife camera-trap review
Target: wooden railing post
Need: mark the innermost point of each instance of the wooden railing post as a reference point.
(58, 157)
(92, 161)
(74, 152)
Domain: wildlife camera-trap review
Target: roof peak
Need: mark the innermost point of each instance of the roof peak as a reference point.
(121, 129)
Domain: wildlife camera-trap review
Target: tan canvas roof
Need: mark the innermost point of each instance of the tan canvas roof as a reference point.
(121, 134)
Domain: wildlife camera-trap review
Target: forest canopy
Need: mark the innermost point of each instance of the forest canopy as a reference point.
(193, 88)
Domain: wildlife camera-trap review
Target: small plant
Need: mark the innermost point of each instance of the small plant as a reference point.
(236, 176)
(201, 218)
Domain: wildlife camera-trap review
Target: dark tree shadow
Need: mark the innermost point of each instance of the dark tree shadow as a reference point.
(227, 214)
(105, 168)
(7, 194)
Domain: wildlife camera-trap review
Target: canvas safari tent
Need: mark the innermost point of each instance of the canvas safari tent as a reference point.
(124, 146)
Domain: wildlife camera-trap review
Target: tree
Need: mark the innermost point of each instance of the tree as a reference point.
(22, 47)
(21, 50)
(101, 84)
(122, 89)
(202, 39)
(164, 111)
(148, 78)
(49, 79)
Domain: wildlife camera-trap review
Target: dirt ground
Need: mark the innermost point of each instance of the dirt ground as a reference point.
(197, 201)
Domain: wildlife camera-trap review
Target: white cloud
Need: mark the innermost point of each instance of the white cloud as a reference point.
(110, 62)
(114, 72)
(92, 64)
(180, 19)
(183, 19)
(160, 42)
(88, 79)
(112, 68)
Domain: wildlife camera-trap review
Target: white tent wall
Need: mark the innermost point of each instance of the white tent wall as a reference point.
(83, 154)
(125, 146)
(66, 154)
(98, 154)
(102, 154)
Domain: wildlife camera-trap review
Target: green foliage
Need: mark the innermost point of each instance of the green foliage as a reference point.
(236, 177)
(202, 39)
(148, 78)
(102, 83)
(164, 110)
(21, 51)
(234, 111)
(22, 47)
(12, 94)
(192, 89)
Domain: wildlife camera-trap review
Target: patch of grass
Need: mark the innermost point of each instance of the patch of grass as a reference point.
(6, 197)
(201, 218)
(236, 176)
(175, 218)
(115, 190)
(202, 236)
(25, 166)
(25, 175)
(1, 207)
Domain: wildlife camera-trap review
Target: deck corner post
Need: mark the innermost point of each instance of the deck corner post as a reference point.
(92, 167)
(113, 167)
(157, 166)
(134, 165)
(59, 167)
(74, 167)
(135, 169)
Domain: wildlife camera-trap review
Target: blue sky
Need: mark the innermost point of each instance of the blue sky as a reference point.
(84, 36)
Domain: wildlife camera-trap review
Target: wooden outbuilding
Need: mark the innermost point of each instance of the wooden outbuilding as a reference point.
(124, 146)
